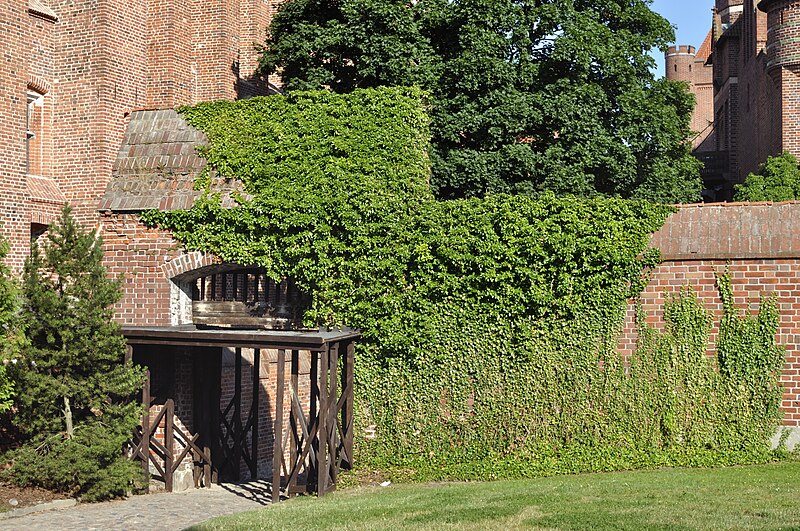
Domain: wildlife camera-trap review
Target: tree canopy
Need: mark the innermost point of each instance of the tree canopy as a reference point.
(778, 179)
(525, 95)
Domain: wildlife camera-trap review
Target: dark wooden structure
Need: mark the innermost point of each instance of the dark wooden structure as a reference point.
(308, 450)
(247, 298)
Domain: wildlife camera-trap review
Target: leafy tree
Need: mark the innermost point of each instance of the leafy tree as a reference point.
(525, 95)
(778, 179)
(74, 385)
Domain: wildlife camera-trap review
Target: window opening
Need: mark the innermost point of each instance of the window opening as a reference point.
(37, 231)
(33, 121)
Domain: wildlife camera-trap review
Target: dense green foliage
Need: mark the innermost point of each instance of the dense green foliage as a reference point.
(10, 334)
(525, 95)
(489, 324)
(778, 179)
(753, 497)
(74, 388)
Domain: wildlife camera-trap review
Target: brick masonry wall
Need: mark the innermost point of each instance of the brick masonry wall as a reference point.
(96, 61)
(15, 215)
(761, 246)
(101, 76)
(761, 111)
(140, 254)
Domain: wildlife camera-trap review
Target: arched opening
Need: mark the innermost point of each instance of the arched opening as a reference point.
(232, 296)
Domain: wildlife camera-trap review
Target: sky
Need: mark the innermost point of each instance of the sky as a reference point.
(691, 18)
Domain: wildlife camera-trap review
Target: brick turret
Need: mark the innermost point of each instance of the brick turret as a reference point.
(783, 32)
(679, 61)
(686, 63)
(783, 66)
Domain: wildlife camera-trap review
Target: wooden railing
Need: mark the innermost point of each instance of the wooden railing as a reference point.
(247, 298)
(166, 457)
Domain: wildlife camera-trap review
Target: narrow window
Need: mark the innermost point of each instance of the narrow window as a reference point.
(33, 129)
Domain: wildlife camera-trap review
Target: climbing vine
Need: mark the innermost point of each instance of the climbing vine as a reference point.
(489, 324)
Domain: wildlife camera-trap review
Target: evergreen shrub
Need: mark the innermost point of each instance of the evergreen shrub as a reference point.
(10, 335)
(75, 398)
(489, 325)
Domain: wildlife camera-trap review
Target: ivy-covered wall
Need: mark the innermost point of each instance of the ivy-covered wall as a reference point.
(490, 325)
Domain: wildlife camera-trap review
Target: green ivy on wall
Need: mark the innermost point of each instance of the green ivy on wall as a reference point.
(490, 324)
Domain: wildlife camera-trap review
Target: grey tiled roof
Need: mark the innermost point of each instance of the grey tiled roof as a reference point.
(157, 164)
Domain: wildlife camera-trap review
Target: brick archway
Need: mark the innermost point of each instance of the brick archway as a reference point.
(182, 272)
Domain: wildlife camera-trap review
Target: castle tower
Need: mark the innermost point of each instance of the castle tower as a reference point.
(783, 66)
(679, 61)
(729, 11)
(686, 64)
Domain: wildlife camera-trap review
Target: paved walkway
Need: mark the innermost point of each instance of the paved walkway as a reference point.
(162, 511)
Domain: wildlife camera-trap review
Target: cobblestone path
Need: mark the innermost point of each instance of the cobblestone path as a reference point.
(162, 511)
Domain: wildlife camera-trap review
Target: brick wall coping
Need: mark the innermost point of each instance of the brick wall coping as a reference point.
(729, 231)
(734, 204)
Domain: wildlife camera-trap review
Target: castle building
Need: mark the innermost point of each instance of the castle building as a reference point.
(88, 90)
(73, 71)
(745, 80)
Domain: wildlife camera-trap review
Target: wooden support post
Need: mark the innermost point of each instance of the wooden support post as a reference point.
(322, 432)
(146, 426)
(347, 410)
(237, 415)
(169, 443)
(254, 411)
(214, 387)
(277, 447)
(313, 417)
(332, 434)
(293, 420)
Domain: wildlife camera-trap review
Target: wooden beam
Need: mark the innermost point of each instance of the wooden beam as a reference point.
(215, 390)
(254, 412)
(322, 433)
(146, 425)
(277, 448)
(332, 432)
(237, 415)
(347, 410)
(293, 421)
(169, 442)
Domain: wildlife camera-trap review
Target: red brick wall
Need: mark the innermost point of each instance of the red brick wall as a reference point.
(13, 23)
(101, 76)
(141, 255)
(760, 244)
(96, 61)
(761, 111)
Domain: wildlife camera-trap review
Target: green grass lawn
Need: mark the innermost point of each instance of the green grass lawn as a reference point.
(754, 497)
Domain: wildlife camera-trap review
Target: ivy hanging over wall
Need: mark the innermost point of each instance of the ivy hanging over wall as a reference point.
(489, 324)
